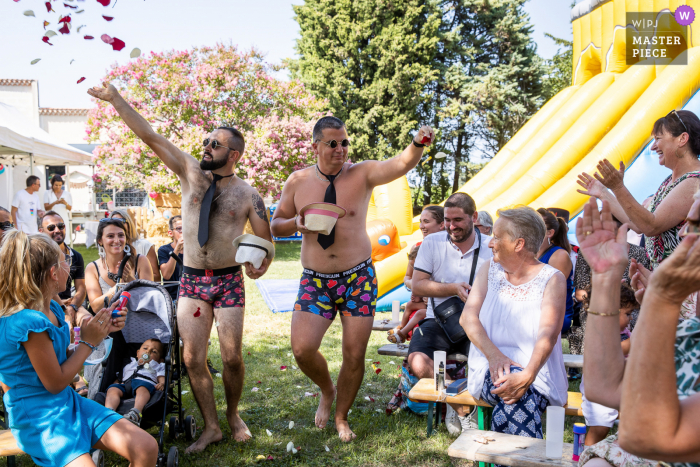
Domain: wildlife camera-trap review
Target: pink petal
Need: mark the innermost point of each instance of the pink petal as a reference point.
(117, 44)
(46, 39)
(88, 38)
(104, 2)
(81, 80)
(270, 458)
(108, 18)
(106, 39)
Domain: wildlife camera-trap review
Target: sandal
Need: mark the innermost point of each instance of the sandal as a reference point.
(394, 337)
(80, 393)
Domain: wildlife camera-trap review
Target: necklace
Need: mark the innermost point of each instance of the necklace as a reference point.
(112, 276)
(326, 180)
(227, 185)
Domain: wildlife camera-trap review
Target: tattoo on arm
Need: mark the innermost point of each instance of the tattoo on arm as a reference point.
(259, 206)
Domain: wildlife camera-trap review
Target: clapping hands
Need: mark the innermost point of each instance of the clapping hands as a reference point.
(604, 251)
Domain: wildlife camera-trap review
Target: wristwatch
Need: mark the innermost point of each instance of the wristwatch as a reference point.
(418, 145)
(75, 308)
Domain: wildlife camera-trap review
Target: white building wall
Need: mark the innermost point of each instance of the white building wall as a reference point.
(69, 129)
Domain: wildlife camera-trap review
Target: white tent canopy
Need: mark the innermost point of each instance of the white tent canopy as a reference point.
(22, 140)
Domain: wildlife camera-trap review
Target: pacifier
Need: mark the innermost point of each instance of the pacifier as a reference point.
(144, 359)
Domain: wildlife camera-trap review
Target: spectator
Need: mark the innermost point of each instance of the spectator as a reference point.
(26, 206)
(142, 245)
(100, 275)
(485, 223)
(48, 420)
(432, 219)
(170, 267)
(513, 318)
(445, 267)
(656, 388)
(556, 251)
(677, 141)
(58, 199)
(5, 222)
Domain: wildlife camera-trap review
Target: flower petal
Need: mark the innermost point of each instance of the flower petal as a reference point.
(64, 19)
(270, 458)
(135, 53)
(269, 433)
(49, 8)
(29, 13)
(283, 368)
(46, 39)
(79, 11)
(117, 44)
(290, 446)
(378, 370)
(88, 38)
(70, 6)
(255, 390)
(80, 27)
(71, 62)
(108, 18)
(291, 425)
(50, 33)
(35, 61)
(64, 29)
(104, 2)
(327, 450)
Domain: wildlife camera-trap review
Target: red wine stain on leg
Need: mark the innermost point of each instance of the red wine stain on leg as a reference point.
(195, 199)
(232, 213)
(197, 313)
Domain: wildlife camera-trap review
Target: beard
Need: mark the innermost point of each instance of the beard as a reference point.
(58, 238)
(461, 235)
(213, 164)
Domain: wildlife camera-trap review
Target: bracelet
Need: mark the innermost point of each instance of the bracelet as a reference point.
(603, 314)
(418, 145)
(92, 347)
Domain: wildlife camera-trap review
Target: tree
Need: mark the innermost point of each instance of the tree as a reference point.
(559, 72)
(185, 95)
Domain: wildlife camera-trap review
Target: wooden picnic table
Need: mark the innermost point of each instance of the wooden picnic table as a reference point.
(384, 325)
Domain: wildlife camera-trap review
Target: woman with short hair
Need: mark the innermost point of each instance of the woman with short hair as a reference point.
(513, 317)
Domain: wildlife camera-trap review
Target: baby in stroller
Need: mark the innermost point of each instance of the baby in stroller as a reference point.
(140, 378)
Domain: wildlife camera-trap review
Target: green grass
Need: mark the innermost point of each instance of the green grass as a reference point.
(399, 439)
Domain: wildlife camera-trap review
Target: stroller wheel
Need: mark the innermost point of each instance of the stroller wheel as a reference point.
(173, 457)
(190, 427)
(98, 457)
(173, 427)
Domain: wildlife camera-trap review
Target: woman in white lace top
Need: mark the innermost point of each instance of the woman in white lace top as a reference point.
(513, 317)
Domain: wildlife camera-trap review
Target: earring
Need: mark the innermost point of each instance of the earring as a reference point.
(101, 251)
(127, 249)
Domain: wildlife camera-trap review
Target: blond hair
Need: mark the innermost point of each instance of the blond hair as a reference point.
(25, 263)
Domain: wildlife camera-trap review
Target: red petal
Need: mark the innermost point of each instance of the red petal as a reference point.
(259, 382)
(108, 18)
(104, 2)
(64, 29)
(64, 19)
(70, 6)
(248, 353)
(270, 458)
(371, 398)
(378, 370)
(283, 368)
(88, 38)
(117, 44)
(48, 7)
(46, 39)
(81, 80)
(377, 363)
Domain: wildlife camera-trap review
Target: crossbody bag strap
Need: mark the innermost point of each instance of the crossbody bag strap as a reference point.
(475, 259)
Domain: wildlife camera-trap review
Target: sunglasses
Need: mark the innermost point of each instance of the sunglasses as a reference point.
(334, 144)
(107, 219)
(679, 119)
(52, 227)
(7, 225)
(214, 144)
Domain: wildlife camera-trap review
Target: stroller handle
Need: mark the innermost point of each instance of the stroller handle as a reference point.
(120, 272)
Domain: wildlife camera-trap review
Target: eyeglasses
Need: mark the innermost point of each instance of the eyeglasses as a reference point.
(7, 225)
(68, 259)
(52, 227)
(334, 144)
(214, 144)
(177, 229)
(679, 119)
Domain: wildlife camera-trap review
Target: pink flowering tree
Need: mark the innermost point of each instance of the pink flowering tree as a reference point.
(187, 94)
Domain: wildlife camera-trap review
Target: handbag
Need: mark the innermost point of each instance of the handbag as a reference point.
(448, 313)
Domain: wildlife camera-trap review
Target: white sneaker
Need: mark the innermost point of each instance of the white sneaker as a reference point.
(470, 422)
(454, 428)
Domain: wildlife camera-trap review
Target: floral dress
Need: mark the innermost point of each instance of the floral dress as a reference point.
(687, 357)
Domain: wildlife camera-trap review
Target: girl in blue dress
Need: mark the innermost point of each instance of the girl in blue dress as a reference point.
(48, 419)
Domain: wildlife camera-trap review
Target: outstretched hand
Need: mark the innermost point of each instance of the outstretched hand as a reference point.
(425, 135)
(678, 275)
(609, 176)
(106, 92)
(639, 279)
(604, 251)
(591, 186)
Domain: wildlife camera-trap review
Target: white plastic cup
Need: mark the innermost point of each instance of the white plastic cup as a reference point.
(395, 309)
(555, 432)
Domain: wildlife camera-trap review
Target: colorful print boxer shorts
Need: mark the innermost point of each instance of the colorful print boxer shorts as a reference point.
(353, 292)
(221, 288)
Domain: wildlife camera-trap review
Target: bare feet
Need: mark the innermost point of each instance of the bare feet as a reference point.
(323, 413)
(241, 433)
(344, 432)
(207, 437)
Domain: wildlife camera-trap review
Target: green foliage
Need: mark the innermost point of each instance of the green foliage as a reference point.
(559, 68)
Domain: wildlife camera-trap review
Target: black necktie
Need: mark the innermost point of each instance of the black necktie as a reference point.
(203, 234)
(327, 240)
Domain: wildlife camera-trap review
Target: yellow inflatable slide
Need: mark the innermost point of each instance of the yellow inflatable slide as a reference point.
(607, 113)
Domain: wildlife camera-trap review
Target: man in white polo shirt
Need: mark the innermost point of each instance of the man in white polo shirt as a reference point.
(445, 267)
(26, 207)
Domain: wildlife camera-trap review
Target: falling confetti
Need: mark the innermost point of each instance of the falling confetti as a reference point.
(104, 2)
(29, 13)
(197, 313)
(46, 39)
(81, 80)
(65, 29)
(49, 9)
(135, 53)
(70, 6)
(46, 23)
(440, 155)
(35, 61)
(108, 18)
(88, 38)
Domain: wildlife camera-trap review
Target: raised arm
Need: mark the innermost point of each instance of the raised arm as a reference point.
(606, 254)
(655, 423)
(383, 172)
(172, 157)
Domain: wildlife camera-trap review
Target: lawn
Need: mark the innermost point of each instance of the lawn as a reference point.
(382, 440)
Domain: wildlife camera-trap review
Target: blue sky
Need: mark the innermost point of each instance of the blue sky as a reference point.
(157, 25)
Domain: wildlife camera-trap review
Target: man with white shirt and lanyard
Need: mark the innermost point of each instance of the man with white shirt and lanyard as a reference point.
(445, 267)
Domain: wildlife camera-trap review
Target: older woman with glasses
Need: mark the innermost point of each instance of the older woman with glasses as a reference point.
(677, 142)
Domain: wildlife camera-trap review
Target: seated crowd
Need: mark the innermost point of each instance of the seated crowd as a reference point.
(516, 285)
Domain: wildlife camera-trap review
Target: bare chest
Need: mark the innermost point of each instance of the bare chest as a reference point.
(352, 194)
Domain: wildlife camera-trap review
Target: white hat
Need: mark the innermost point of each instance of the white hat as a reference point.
(321, 217)
(253, 250)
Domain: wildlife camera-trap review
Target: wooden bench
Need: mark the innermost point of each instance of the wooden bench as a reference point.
(384, 325)
(424, 391)
(8, 447)
(516, 451)
(401, 350)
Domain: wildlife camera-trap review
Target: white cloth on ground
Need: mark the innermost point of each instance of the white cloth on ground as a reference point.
(511, 315)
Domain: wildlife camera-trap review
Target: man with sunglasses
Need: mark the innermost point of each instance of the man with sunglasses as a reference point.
(217, 205)
(339, 276)
(73, 297)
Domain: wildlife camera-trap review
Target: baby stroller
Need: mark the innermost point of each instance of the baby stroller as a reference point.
(150, 316)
